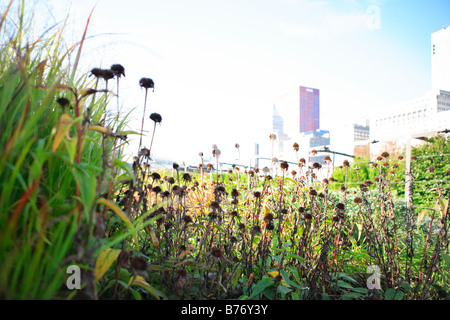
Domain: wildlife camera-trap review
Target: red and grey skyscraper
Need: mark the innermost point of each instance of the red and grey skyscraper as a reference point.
(309, 109)
(299, 109)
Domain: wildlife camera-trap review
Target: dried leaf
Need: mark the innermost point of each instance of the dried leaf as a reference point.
(65, 122)
(140, 281)
(104, 260)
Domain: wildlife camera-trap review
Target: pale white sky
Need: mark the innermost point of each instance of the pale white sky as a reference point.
(219, 65)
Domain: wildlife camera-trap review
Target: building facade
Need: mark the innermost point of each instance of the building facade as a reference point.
(440, 60)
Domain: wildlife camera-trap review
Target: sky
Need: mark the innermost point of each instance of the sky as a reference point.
(219, 65)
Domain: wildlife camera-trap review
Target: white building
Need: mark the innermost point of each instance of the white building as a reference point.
(440, 60)
(394, 124)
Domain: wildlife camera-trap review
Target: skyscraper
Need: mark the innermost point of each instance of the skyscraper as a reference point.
(309, 109)
(440, 60)
(299, 109)
(296, 111)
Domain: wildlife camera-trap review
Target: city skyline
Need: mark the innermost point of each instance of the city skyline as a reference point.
(218, 66)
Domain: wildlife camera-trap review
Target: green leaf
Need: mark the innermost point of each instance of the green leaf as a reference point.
(260, 286)
(344, 284)
(446, 258)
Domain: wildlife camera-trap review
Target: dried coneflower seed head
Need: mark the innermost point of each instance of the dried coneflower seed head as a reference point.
(62, 101)
(234, 193)
(156, 117)
(284, 165)
(138, 263)
(273, 136)
(400, 157)
(296, 147)
(327, 159)
(357, 200)
(385, 154)
(301, 162)
(187, 177)
(214, 205)
(171, 180)
(257, 194)
(268, 217)
(147, 83)
(175, 165)
(256, 229)
(156, 189)
(156, 176)
(313, 192)
(346, 163)
(284, 211)
(316, 165)
(216, 252)
(96, 72)
(340, 206)
(431, 169)
(187, 218)
(302, 209)
(118, 70)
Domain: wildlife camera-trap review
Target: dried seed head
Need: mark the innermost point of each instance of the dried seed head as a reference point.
(327, 159)
(118, 70)
(357, 200)
(237, 145)
(187, 219)
(170, 180)
(301, 162)
(385, 154)
(273, 136)
(63, 101)
(256, 229)
(431, 169)
(175, 165)
(214, 205)
(156, 176)
(340, 206)
(313, 192)
(156, 189)
(257, 194)
(268, 217)
(296, 147)
(346, 163)
(284, 165)
(187, 177)
(96, 72)
(317, 165)
(156, 117)
(216, 252)
(147, 83)
(234, 193)
(138, 263)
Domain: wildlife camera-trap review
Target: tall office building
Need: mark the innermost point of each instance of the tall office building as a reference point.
(296, 112)
(299, 109)
(440, 60)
